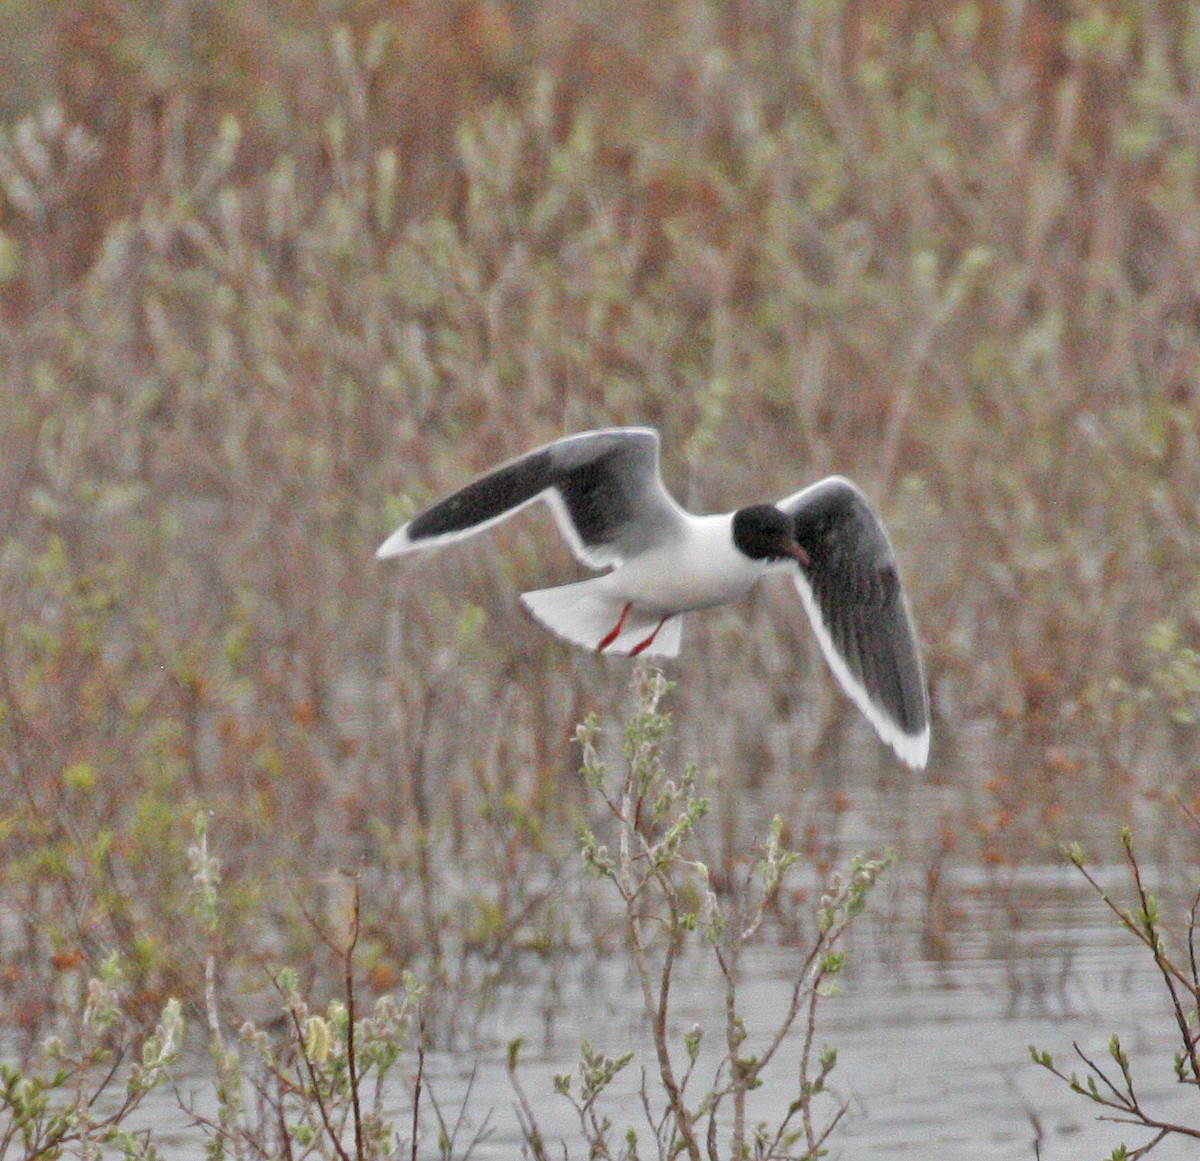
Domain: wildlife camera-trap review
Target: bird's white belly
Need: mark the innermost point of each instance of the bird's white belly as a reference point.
(694, 572)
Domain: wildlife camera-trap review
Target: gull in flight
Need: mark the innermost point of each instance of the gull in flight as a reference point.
(610, 504)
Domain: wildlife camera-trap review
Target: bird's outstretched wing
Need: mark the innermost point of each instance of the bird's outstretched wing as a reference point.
(852, 593)
(603, 486)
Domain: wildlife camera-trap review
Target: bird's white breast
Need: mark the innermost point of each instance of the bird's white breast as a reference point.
(695, 570)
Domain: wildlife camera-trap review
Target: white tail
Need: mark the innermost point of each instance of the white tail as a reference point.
(586, 617)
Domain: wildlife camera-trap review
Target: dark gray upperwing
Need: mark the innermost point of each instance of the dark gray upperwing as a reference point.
(851, 589)
(604, 488)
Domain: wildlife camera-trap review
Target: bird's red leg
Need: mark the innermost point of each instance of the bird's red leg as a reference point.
(616, 629)
(649, 640)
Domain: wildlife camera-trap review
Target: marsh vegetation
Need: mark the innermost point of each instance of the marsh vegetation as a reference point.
(272, 277)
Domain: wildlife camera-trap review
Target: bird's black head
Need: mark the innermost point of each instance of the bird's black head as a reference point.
(763, 532)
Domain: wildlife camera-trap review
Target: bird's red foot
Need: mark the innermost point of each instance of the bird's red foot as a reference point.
(616, 629)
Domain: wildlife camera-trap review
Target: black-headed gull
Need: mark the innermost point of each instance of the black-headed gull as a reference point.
(610, 503)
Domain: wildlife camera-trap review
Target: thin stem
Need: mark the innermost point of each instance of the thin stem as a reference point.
(351, 1055)
(315, 1084)
(1170, 973)
(416, 1114)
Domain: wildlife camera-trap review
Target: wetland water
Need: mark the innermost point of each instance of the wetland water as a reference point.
(932, 1057)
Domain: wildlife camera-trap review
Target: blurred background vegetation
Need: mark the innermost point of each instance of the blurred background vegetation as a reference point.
(275, 273)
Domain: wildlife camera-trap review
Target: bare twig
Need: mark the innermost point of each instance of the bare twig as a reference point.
(351, 1054)
(529, 1125)
(1119, 1095)
(416, 1113)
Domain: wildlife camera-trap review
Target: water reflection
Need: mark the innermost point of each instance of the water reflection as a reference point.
(934, 1059)
(932, 1056)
